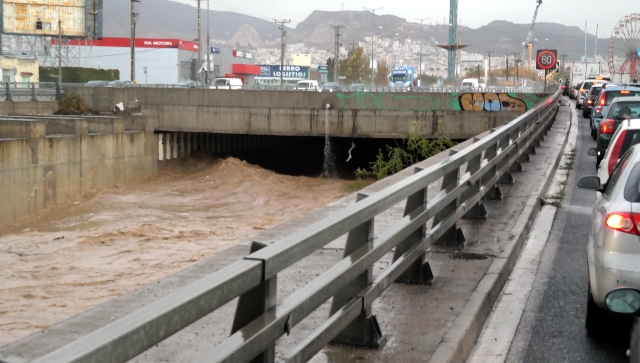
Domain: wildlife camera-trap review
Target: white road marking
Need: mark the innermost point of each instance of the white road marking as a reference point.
(497, 335)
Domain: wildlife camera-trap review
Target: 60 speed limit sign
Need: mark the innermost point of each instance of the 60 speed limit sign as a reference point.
(546, 59)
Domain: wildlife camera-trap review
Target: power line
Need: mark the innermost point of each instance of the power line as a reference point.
(283, 45)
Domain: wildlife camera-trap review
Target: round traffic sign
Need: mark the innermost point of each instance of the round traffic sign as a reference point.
(546, 59)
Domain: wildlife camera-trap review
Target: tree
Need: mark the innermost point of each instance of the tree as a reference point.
(330, 66)
(355, 67)
(382, 77)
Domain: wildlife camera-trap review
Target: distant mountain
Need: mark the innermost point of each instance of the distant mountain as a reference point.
(170, 19)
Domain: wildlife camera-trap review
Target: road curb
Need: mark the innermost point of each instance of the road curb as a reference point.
(458, 342)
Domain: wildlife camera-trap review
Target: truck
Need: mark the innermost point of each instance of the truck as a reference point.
(403, 76)
(472, 83)
(584, 70)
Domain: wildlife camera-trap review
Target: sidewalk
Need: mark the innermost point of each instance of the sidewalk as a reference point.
(438, 323)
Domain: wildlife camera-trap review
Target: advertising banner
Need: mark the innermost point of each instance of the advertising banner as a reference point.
(46, 17)
(287, 72)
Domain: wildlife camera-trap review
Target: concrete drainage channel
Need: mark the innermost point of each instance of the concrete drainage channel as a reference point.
(439, 323)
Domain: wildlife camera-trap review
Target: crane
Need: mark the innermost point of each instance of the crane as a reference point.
(528, 45)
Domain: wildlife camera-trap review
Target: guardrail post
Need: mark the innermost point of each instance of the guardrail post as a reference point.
(505, 178)
(478, 211)
(364, 331)
(454, 234)
(419, 273)
(58, 92)
(494, 192)
(8, 97)
(253, 304)
(34, 96)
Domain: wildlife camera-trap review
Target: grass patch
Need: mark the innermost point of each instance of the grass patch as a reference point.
(358, 185)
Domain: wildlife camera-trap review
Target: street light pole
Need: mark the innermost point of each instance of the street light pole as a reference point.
(373, 29)
(421, 36)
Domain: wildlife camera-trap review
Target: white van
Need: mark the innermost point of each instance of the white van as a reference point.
(307, 86)
(226, 83)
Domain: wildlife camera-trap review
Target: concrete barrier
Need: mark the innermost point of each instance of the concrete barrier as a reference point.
(28, 108)
(46, 162)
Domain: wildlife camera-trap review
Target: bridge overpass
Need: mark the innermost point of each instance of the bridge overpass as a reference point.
(411, 264)
(457, 115)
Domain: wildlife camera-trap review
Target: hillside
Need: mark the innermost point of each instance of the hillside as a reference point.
(169, 19)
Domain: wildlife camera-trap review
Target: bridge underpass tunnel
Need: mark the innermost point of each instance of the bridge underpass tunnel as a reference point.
(288, 155)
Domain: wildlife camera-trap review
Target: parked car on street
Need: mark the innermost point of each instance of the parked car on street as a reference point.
(121, 84)
(188, 84)
(226, 83)
(622, 108)
(356, 87)
(331, 87)
(308, 85)
(613, 248)
(96, 83)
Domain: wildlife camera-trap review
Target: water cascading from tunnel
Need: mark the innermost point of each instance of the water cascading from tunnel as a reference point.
(329, 158)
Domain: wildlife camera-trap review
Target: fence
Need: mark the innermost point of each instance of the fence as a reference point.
(466, 176)
(31, 91)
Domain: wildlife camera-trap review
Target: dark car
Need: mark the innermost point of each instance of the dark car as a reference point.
(591, 99)
(188, 84)
(565, 88)
(607, 94)
(622, 108)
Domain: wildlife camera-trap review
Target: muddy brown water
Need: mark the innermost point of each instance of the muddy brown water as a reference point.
(103, 245)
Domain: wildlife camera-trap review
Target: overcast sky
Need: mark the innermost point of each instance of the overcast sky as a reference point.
(471, 13)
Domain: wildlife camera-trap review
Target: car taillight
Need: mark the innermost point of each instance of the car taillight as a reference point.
(624, 222)
(590, 101)
(581, 90)
(603, 99)
(599, 109)
(616, 151)
(608, 126)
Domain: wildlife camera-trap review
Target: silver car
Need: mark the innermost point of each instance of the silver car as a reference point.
(613, 249)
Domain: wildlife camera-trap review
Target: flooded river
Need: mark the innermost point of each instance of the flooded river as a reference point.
(100, 246)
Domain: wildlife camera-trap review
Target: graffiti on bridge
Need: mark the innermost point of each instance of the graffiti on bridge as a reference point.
(454, 101)
(492, 102)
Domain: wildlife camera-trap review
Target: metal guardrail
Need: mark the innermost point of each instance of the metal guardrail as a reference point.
(466, 177)
(31, 91)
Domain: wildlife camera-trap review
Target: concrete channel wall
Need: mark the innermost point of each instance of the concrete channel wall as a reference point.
(290, 113)
(28, 108)
(46, 161)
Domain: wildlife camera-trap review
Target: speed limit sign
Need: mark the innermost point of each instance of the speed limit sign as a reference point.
(546, 59)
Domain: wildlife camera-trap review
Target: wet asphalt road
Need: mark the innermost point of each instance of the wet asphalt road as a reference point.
(552, 327)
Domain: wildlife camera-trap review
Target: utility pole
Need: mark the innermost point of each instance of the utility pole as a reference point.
(336, 56)
(373, 35)
(563, 57)
(208, 46)
(515, 63)
(282, 46)
(488, 80)
(59, 51)
(199, 39)
(134, 19)
(506, 58)
(595, 48)
(421, 35)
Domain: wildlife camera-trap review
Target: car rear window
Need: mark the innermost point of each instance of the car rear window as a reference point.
(618, 109)
(632, 187)
(595, 91)
(618, 93)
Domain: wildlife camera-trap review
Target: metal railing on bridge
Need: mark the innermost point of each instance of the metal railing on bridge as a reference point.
(466, 176)
(32, 91)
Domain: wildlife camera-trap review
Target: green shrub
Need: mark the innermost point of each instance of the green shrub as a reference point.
(78, 75)
(414, 149)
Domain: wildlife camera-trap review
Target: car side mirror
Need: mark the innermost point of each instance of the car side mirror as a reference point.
(623, 301)
(592, 151)
(597, 115)
(589, 182)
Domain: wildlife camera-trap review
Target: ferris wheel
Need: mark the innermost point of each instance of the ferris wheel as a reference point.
(624, 46)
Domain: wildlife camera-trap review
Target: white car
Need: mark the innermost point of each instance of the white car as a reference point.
(613, 248)
(627, 135)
